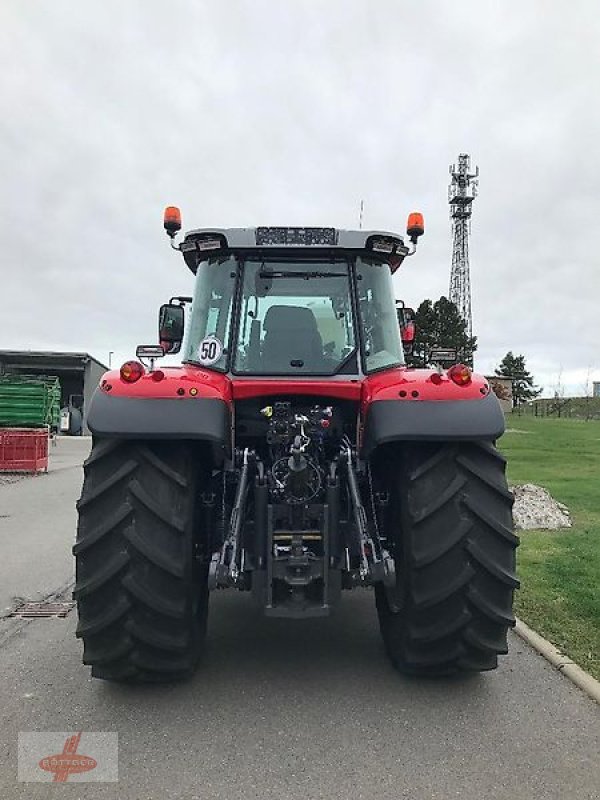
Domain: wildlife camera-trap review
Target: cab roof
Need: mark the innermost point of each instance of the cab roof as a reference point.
(202, 242)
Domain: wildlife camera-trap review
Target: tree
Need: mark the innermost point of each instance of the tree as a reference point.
(439, 325)
(425, 325)
(523, 387)
(559, 402)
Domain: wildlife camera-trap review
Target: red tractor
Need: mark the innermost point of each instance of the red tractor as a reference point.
(292, 455)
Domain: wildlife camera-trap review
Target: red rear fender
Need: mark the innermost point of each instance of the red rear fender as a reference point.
(413, 385)
(186, 381)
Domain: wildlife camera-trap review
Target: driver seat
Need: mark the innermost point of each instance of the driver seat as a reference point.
(291, 334)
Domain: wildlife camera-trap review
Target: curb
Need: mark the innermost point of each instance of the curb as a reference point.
(563, 663)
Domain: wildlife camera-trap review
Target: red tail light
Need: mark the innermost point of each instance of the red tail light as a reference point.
(131, 371)
(460, 374)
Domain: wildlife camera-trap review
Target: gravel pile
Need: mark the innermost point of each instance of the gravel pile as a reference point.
(536, 508)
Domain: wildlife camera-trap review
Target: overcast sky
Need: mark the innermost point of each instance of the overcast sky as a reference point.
(271, 113)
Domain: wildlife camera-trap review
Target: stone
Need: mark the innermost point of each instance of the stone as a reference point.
(535, 508)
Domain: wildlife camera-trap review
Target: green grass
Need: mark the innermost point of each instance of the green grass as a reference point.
(560, 570)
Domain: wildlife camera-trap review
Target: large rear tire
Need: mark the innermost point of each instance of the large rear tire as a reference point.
(450, 526)
(141, 571)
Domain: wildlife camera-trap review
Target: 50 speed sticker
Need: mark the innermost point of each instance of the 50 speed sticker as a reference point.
(210, 351)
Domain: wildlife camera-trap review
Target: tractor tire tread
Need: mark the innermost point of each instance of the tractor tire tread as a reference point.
(454, 533)
(141, 593)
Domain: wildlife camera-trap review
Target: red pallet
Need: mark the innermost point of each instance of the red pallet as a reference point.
(23, 449)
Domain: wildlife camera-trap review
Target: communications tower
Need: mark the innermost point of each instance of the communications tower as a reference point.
(461, 193)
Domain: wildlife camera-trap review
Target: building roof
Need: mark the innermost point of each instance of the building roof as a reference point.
(47, 357)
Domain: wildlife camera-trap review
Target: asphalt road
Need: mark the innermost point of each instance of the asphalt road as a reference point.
(278, 709)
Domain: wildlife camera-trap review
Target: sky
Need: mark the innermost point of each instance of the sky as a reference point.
(291, 113)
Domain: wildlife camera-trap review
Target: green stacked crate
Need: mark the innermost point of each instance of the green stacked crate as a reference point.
(29, 401)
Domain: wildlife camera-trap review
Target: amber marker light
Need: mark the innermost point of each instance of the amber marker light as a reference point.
(172, 220)
(415, 226)
(460, 374)
(131, 371)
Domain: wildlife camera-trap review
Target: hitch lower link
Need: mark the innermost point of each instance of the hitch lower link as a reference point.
(376, 564)
(224, 570)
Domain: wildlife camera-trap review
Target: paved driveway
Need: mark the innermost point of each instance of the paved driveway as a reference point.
(278, 709)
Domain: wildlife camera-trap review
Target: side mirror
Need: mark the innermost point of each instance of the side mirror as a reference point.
(171, 324)
(407, 333)
(408, 328)
(405, 315)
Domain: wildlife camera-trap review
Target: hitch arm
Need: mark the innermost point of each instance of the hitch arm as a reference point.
(376, 564)
(360, 519)
(223, 573)
(237, 515)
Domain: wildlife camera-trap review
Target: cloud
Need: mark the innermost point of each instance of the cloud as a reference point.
(261, 113)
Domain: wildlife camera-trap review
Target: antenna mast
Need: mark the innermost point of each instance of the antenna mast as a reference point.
(461, 193)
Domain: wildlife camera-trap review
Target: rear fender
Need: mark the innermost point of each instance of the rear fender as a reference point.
(185, 404)
(405, 410)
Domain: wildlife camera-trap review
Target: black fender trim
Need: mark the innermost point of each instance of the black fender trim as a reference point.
(427, 420)
(200, 419)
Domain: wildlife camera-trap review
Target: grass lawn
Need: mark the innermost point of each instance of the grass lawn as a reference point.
(560, 570)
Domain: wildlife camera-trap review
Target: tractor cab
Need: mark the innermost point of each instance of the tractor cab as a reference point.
(292, 302)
